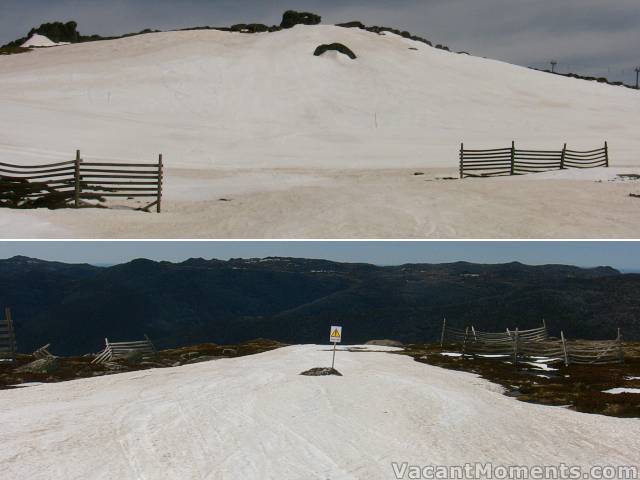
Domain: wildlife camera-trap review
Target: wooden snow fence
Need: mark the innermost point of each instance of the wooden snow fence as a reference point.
(533, 344)
(514, 161)
(43, 352)
(7, 337)
(116, 350)
(585, 352)
(71, 184)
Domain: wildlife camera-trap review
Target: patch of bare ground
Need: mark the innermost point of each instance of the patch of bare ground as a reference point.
(71, 368)
(578, 387)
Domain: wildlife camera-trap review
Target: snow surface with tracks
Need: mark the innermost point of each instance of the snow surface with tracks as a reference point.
(255, 417)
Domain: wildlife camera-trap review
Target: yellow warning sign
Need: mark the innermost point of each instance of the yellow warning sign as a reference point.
(335, 334)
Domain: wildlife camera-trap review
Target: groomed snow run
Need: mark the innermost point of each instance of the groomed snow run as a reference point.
(316, 147)
(256, 418)
(37, 40)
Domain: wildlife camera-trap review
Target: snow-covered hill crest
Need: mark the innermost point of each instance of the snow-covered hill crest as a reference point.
(223, 99)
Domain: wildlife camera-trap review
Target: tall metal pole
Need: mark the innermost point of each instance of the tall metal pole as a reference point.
(637, 69)
(333, 360)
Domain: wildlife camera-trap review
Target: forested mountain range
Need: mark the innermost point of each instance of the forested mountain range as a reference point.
(75, 306)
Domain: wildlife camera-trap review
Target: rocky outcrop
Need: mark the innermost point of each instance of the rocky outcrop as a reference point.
(291, 18)
(338, 47)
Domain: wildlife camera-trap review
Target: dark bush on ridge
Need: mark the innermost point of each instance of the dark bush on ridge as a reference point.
(354, 24)
(338, 47)
(381, 30)
(249, 28)
(291, 18)
(58, 31)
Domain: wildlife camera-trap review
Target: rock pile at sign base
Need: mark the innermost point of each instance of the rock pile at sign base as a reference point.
(321, 372)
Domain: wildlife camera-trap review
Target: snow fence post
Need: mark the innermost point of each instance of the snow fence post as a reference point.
(513, 156)
(564, 349)
(11, 333)
(606, 154)
(464, 342)
(515, 349)
(562, 157)
(76, 178)
(159, 192)
(462, 160)
(444, 324)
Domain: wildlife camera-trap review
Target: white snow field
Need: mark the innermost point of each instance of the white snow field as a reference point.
(256, 418)
(307, 146)
(37, 40)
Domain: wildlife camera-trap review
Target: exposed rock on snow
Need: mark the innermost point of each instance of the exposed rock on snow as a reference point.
(338, 47)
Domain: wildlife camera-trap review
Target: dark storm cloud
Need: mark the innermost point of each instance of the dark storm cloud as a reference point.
(588, 36)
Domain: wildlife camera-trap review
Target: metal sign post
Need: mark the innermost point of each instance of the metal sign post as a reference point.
(335, 337)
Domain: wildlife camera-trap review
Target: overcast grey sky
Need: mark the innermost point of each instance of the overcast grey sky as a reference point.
(598, 37)
(623, 255)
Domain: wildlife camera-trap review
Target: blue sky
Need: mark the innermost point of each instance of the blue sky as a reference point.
(599, 37)
(624, 255)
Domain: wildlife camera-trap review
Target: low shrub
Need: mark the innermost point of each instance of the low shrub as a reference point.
(250, 28)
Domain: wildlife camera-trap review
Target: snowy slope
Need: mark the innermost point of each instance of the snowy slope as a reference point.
(256, 418)
(219, 99)
(37, 40)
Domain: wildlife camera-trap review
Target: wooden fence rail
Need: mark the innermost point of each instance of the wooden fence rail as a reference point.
(67, 184)
(513, 161)
(115, 350)
(7, 337)
(43, 352)
(525, 345)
